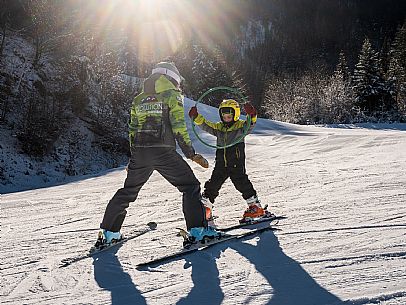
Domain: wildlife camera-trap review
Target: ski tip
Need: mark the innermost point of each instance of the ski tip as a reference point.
(152, 225)
(147, 266)
(142, 267)
(63, 265)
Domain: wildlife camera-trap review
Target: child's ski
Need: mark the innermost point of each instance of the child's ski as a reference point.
(200, 247)
(93, 251)
(251, 222)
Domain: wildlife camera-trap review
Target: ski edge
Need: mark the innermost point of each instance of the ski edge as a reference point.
(172, 257)
(151, 226)
(243, 225)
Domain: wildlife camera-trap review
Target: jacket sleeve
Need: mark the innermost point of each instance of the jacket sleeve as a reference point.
(177, 119)
(206, 125)
(133, 122)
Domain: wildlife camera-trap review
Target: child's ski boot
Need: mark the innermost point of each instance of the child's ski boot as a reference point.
(255, 211)
(208, 206)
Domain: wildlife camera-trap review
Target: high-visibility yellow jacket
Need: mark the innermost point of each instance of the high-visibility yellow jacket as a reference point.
(157, 117)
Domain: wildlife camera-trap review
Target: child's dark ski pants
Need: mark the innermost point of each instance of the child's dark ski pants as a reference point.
(238, 177)
(173, 168)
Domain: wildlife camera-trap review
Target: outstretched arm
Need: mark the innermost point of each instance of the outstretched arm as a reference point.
(204, 124)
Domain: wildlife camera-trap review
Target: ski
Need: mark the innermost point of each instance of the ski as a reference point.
(201, 247)
(131, 235)
(251, 222)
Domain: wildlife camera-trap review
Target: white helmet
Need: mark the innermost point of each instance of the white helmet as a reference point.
(169, 69)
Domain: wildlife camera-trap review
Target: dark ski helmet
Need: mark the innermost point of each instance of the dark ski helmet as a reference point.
(168, 69)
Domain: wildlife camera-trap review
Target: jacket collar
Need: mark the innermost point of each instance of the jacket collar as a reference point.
(156, 84)
(163, 84)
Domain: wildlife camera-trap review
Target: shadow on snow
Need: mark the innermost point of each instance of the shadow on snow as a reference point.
(110, 275)
(290, 283)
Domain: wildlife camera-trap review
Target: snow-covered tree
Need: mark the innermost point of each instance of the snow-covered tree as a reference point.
(342, 68)
(338, 95)
(397, 68)
(311, 98)
(371, 92)
(110, 103)
(4, 24)
(209, 71)
(49, 28)
(308, 94)
(280, 103)
(42, 25)
(296, 100)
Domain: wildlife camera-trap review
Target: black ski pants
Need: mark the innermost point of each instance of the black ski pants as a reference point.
(173, 168)
(238, 176)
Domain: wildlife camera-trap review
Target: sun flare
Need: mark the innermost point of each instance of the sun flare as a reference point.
(157, 29)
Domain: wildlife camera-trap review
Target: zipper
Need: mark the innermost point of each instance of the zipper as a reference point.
(225, 143)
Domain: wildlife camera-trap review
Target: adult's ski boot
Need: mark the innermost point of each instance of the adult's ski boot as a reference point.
(199, 235)
(106, 238)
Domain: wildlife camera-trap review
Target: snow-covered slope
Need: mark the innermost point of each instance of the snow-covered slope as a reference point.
(343, 190)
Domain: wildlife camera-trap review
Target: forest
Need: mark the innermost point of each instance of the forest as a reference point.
(297, 61)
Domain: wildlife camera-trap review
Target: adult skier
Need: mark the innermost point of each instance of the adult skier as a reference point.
(157, 121)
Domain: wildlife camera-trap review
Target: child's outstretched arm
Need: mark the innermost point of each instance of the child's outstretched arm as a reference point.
(204, 124)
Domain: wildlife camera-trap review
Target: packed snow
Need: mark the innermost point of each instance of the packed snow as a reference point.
(342, 188)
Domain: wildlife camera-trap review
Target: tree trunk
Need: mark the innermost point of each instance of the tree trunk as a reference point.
(3, 41)
(4, 104)
(38, 52)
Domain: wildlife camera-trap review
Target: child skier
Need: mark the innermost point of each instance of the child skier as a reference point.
(230, 161)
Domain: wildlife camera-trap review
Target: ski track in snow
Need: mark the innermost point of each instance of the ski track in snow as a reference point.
(344, 241)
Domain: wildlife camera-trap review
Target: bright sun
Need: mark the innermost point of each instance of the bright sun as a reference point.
(158, 28)
(154, 26)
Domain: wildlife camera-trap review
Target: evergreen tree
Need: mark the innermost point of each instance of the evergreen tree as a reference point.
(209, 71)
(43, 26)
(4, 25)
(342, 68)
(397, 69)
(202, 70)
(368, 83)
(384, 56)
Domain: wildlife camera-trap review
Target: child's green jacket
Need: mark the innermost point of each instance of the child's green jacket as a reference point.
(232, 156)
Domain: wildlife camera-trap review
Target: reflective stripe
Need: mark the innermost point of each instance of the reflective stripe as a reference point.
(168, 72)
